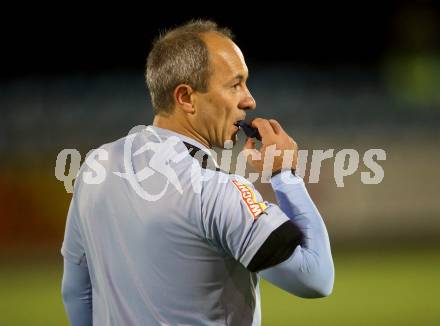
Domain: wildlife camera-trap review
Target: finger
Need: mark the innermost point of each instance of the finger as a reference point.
(264, 127)
(276, 126)
(253, 156)
(295, 145)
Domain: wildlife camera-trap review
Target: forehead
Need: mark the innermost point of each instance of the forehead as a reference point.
(225, 57)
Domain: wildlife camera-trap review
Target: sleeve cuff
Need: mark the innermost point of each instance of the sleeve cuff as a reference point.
(285, 177)
(74, 259)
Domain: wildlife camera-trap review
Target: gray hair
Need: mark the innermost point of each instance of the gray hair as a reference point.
(180, 56)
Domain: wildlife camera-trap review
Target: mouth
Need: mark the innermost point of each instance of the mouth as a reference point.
(237, 123)
(236, 128)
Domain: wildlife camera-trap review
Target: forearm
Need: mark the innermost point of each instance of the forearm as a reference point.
(296, 203)
(309, 272)
(77, 294)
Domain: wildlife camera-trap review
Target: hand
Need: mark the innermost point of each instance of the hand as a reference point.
(276, 144)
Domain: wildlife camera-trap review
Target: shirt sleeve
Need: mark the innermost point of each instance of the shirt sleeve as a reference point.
(236, 219)
(72, 248)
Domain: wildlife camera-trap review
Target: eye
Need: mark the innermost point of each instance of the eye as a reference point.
(236, 86)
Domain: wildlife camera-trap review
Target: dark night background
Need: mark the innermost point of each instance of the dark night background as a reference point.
(77, 40)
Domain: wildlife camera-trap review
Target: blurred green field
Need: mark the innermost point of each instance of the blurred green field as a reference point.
(372, 288)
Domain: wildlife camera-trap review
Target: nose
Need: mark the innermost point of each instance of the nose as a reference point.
(248, 102)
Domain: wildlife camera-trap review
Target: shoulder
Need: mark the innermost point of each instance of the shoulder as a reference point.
(216, 182)
(233, 191)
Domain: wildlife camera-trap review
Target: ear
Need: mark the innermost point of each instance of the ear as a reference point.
(184, 99)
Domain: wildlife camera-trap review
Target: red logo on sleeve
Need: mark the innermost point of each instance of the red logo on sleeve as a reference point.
(250, 200)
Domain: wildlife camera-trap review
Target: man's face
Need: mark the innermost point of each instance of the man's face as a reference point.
(228, 97)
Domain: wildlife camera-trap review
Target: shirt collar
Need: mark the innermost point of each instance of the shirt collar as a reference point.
(168, 133)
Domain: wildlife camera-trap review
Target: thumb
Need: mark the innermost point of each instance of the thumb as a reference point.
(252, 154)
(250, 144)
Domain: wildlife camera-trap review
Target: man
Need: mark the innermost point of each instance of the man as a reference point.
(187, 247)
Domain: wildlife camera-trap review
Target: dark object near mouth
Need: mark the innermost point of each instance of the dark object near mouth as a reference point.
(248, 129)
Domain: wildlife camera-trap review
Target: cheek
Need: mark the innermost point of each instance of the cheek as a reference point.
(218, 108)
(206, 109)
(226, 104)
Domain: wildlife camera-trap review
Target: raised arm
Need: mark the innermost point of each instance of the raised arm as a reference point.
(308, 271)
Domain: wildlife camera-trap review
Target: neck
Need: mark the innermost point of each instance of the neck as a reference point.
(172, 123)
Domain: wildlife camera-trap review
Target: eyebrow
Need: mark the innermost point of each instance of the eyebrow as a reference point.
(238, 77)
